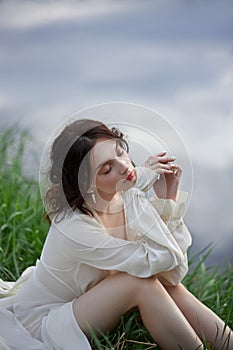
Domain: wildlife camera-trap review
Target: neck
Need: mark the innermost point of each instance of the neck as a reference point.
(108, 204)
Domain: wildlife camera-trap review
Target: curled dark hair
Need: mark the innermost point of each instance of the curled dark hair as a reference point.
(68, 151)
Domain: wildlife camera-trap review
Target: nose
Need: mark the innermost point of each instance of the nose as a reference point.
(123, 166)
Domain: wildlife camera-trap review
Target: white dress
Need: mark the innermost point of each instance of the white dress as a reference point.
(79, 252)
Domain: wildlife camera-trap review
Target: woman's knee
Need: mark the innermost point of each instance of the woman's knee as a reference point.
(142, 287)
(139, 282)
(177, 290)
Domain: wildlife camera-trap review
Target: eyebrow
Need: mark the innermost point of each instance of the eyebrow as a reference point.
(107, 161)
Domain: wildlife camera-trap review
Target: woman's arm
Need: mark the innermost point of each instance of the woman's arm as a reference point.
(172, 214)
(166, 185)
(83, 240)
(170, 204)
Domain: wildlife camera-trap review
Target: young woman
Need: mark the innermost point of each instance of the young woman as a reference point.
(110, 249)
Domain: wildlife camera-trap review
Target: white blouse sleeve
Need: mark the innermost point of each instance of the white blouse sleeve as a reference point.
(172, 213)
(83, 240)
(145, 178)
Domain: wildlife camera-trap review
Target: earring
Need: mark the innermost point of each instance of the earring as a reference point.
(93, 197)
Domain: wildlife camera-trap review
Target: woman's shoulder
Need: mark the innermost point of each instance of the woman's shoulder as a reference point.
(72, 233)
(76, 221)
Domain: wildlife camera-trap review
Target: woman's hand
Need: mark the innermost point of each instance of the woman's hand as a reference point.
(170, 174)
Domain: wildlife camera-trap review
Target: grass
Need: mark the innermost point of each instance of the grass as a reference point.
(23, 231)
(211, 285)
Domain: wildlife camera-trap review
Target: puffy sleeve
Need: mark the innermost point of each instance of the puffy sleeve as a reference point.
(172, 214)
(83, 240)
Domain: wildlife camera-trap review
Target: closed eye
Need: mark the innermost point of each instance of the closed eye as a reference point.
(120, 151)
(108, 171)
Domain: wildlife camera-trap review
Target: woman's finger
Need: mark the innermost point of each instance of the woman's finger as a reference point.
(161, 154)
(156, 159)
(162, 166)
(166, 160)
(163, 171)
(177, 171)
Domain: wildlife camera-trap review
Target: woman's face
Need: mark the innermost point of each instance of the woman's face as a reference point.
(110, 168)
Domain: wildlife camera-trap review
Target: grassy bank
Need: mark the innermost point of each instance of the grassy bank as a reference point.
(23, 231)
(22, 228)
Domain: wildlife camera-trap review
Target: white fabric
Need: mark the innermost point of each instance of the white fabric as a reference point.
(14, 336)
(8, 290)
(3, 345)
(78, 253)
(60, 326)
(145, 178)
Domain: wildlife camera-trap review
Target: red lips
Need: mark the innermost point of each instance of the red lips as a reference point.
(130, 176)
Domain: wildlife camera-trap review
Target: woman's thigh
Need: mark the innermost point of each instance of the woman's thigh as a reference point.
(101, 307)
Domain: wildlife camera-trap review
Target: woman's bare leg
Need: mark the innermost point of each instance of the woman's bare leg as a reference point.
(204, 321)
(102, 306)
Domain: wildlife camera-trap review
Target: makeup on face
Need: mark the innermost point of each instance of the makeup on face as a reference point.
(106, 151)
(112, 166)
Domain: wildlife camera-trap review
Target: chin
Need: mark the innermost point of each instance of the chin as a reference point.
(124, 186)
